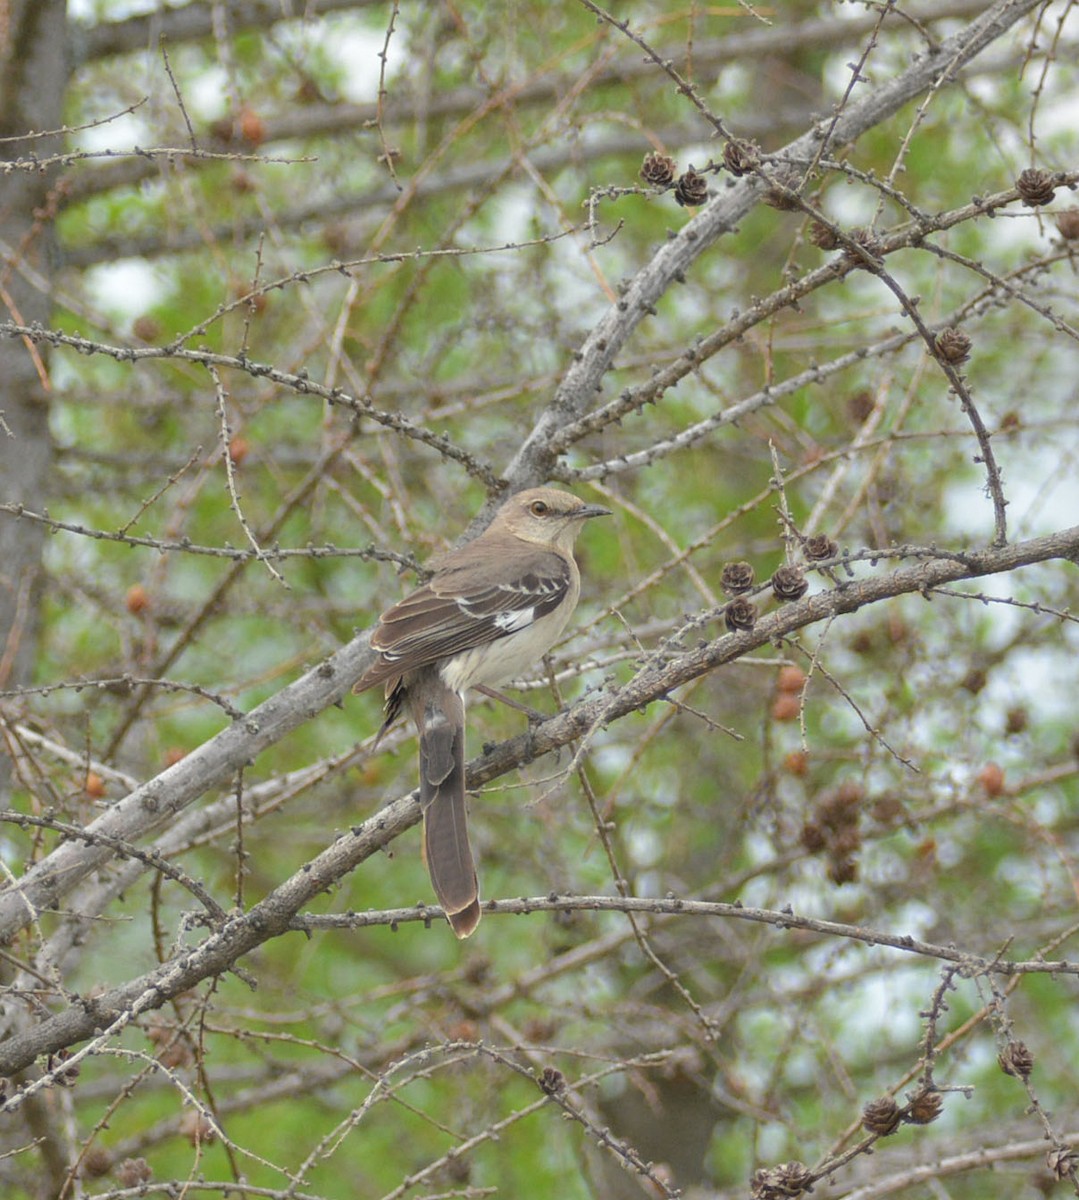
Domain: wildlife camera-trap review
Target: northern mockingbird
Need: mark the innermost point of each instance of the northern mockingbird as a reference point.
(491, 610)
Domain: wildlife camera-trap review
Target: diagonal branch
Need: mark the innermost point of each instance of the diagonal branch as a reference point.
(583, 381)
(213, 763)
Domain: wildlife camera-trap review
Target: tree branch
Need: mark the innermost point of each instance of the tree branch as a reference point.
(583, 382)
(213, 763)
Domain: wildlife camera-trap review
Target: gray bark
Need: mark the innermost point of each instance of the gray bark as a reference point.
(160, 800)
(33, 79)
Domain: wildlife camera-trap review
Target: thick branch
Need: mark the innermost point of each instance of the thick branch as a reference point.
(672, 906)
(533, 463)
(215, 761)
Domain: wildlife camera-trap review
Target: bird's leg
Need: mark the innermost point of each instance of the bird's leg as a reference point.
(535, 717)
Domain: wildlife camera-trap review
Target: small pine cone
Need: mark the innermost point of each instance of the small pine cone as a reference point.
(477, 971)
(55, 1062)
(787, 180)
(881, 1116)
(925, 1108)
(814, 837)
(1035, 187)
(223, 129)
(1068, 224)
(796, 763)
(552, 1082)
(97, 1161)
(760, 1186)
(791, 679)
(847, 843)
(953, 345)
(197, 1128)
(843, 870)
(691, 189)
(820, 546)
(778, 1183)
(789, 583)
(176, 1053)
(1062, 1162)
(834, 814)
(1016, 720)
(737, 577)
(741, 614)
(869, 242)
(822, 237)
(658, 170)
(1016, 1059)
(740, 157)
(991, 777)
(974, 680)
(887, 810)
(792, 1178)
(862, 643)
(849, 797)
(133, 1171)
(860, 406)
(146, 329)
(459, 1171)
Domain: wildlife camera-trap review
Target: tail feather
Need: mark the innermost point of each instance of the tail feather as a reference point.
(450, 864)
(464, 923)
(440, 717)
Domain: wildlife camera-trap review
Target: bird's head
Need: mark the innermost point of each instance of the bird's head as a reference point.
(546, 516)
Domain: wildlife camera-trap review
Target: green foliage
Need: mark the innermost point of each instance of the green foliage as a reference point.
(428, 255)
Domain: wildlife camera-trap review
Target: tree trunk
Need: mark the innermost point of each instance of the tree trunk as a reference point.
(34, 72)
(34, 69)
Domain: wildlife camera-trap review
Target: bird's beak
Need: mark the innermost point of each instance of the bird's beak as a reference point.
(592, 510)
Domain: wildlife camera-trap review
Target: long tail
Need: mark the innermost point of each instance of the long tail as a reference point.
(439, 714)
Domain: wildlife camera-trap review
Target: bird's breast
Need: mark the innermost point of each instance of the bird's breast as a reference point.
(502, 659)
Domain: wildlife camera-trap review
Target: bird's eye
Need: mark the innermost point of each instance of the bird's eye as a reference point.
(538, 508)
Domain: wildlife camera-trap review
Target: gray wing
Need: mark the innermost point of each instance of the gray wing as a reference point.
(471, 601)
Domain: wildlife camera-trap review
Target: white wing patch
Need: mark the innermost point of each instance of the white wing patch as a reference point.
(515, 619)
